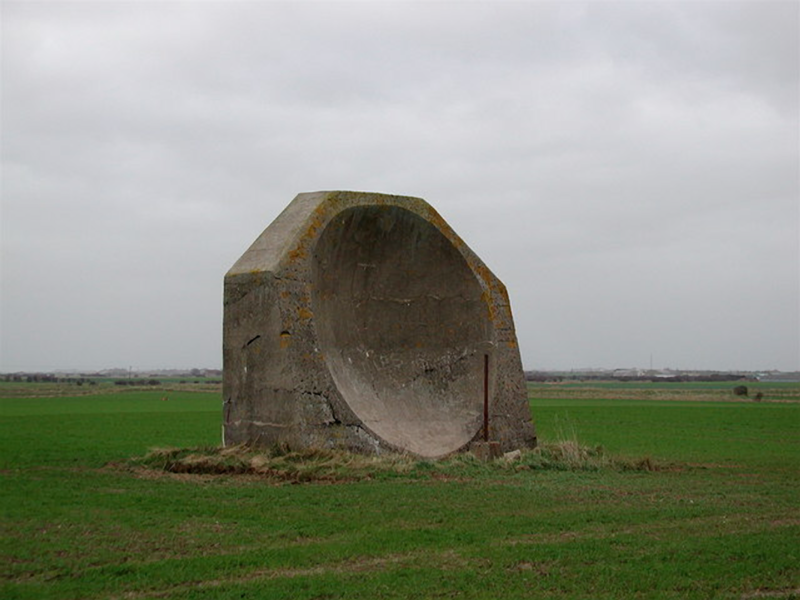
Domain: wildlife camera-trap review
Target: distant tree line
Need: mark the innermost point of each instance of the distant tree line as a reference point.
(93, 379)
(46, 378)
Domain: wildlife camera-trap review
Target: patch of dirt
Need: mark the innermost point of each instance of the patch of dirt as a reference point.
(791, 522)
(541, 569)
(786, 594)
(156, 475)
(700, 526)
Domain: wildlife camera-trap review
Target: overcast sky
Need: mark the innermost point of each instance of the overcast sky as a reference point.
(629, 170)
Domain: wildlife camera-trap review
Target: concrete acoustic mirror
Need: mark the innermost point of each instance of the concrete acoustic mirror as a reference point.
(361, 321)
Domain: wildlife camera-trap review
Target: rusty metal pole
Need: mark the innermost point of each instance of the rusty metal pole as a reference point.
(485, 397)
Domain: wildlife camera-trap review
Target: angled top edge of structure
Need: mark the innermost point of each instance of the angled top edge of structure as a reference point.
(289, 236)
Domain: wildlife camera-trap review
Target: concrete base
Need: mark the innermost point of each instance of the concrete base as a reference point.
(486, 451)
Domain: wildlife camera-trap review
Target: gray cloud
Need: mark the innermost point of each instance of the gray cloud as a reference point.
(630, 170)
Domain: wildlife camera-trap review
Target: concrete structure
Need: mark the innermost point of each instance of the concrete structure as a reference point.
(360, 321)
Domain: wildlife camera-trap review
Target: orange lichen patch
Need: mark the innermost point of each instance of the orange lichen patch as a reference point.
(483, 273)
(333, 204)
(504, 293)
(437, 221)
(486, 298)
(286, 340)
(300, 252)
(316, 224)
(321, 210)
(304, 313)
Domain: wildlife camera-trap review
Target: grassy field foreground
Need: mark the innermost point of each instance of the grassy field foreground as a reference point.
(718, 519)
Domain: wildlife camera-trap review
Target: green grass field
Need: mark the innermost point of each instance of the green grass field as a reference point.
(720, 518)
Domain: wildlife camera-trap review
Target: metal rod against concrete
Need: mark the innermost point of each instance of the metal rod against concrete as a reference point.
(485, 397)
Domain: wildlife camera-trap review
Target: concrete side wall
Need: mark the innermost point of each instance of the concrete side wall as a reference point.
(276, 392)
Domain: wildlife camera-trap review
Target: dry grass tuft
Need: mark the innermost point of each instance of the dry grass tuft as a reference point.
(570, 455)
(331, 466)
(277, 464)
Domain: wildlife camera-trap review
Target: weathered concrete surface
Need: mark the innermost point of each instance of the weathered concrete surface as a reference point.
(360, 321)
